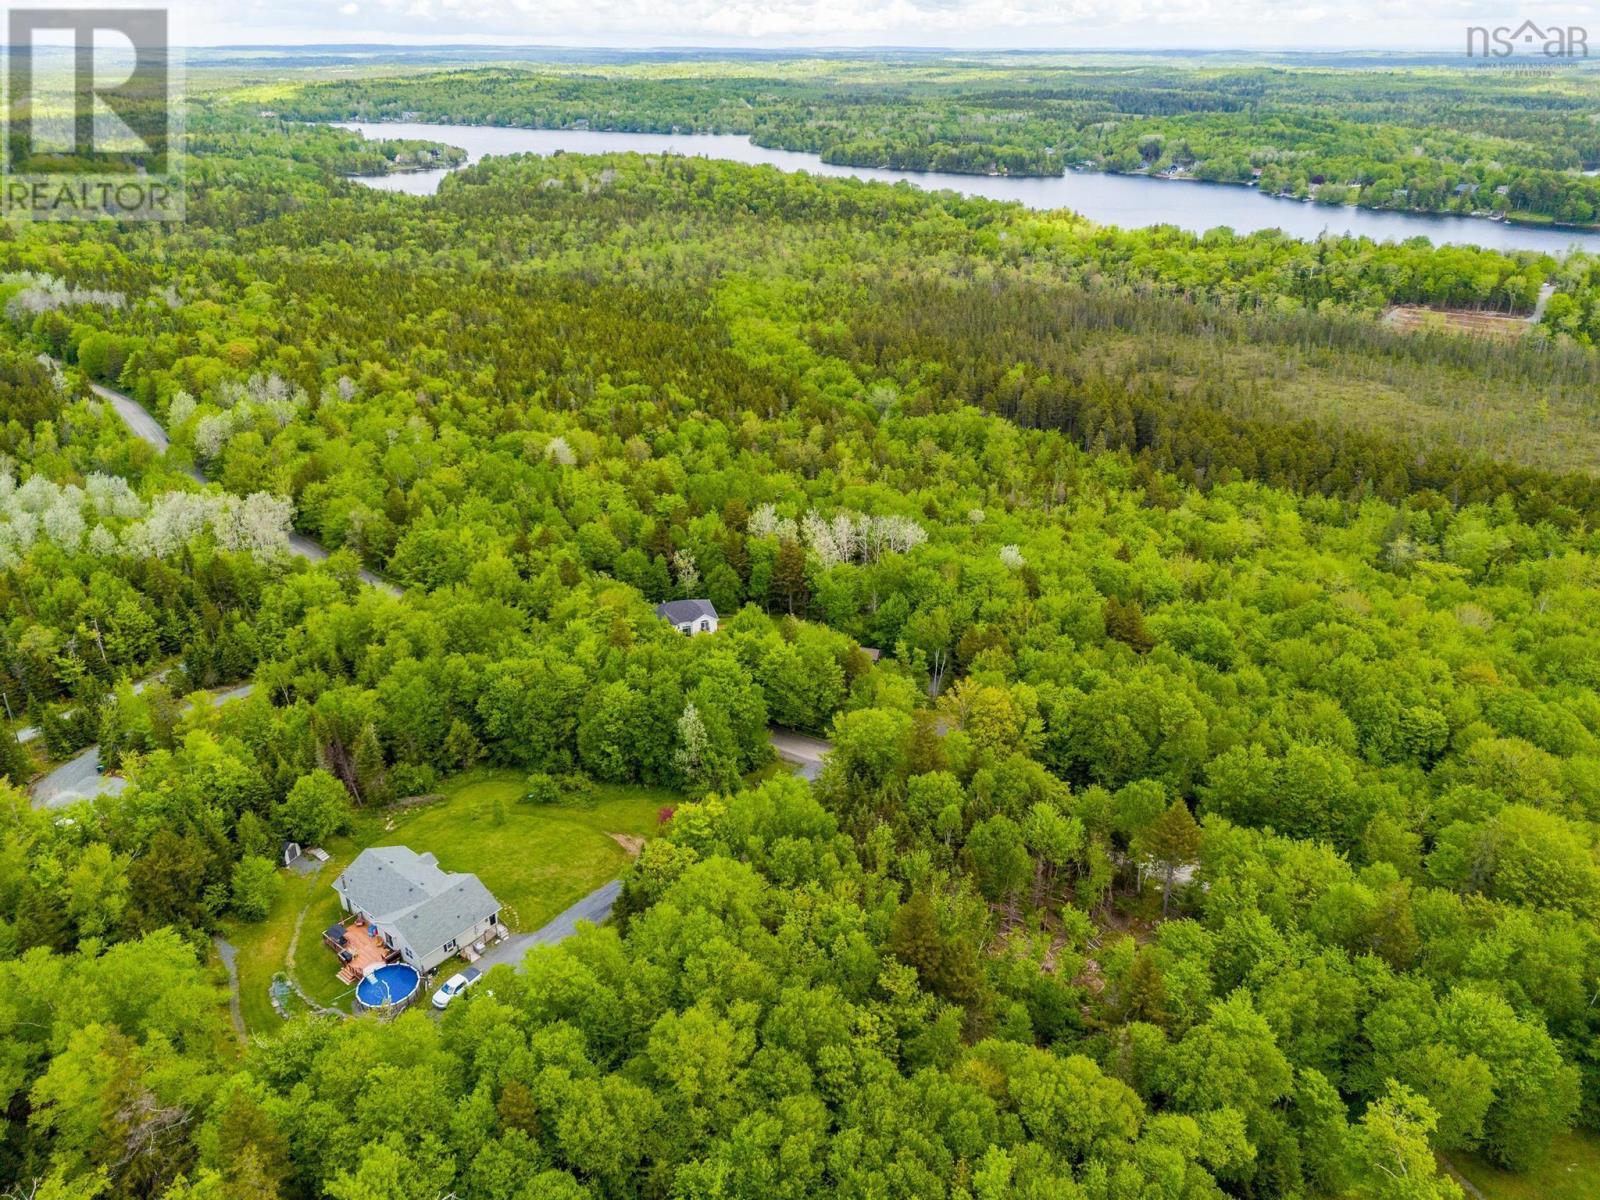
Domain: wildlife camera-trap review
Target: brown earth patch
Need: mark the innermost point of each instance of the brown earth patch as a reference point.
(628, 842)
(1414, 317)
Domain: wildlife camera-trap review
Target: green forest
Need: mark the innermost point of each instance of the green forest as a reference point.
(1211, 669)
(1423, 139)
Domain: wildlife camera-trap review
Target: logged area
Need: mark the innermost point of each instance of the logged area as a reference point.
(649, 676)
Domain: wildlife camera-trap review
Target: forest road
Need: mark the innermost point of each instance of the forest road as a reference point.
(1545, 293)
(79, 778)
(143, 425)
(804, 751)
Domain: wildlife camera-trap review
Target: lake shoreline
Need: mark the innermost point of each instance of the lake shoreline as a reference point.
(1121, 199)
(1527, 221)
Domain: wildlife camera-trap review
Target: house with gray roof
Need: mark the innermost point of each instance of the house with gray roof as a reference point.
(689, 617)
(424, 913)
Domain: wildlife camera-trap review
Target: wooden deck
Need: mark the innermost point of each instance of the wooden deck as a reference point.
(366, 950)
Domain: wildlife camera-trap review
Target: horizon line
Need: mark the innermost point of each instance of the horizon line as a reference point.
(437, 46)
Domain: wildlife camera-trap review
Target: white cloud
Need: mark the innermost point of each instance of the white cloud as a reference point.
(972, 24)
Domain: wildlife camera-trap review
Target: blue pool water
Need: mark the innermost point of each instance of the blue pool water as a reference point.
(393, 984)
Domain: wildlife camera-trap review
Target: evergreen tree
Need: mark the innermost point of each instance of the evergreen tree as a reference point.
(1147, 991)
(15, 765)
(1171, 840)
(790, 590)
(1125, 623)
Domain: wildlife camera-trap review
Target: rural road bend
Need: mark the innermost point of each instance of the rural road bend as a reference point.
(80, 778)
(801, 749)
(135, 416)
(147, 429)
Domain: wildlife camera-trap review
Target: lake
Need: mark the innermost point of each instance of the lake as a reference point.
(1131, 201)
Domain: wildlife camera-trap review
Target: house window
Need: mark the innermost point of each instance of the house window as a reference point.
(705, 626)
(450, 945)
(687, 629)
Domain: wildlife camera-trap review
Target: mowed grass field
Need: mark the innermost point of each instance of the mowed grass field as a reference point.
(1572, 1172)
(536, 859)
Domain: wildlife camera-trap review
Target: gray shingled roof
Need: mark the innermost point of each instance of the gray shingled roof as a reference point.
(428, 906)
(679, 611)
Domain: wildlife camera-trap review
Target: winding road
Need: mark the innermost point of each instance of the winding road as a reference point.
(80, 778)
(143, 425)
(801, 749)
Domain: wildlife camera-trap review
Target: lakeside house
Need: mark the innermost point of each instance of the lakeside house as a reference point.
(422, 915)
(689, 617)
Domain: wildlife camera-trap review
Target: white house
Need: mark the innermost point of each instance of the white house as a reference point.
(689, 617)
(426, 914)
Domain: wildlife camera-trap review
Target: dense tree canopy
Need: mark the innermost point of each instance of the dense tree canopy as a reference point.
(1215, 790)
(1421, 139)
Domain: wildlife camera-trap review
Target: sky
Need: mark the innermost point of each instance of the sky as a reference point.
(970, 24)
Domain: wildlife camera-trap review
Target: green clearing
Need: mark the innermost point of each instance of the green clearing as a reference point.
(536, 859)
(1571, 1172)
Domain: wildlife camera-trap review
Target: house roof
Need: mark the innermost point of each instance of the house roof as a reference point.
(408, 891)
(679, 611)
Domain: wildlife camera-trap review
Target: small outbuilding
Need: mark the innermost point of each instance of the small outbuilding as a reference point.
(689, 617)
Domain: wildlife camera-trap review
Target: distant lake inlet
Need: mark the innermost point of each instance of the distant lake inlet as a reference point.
(1130, 201)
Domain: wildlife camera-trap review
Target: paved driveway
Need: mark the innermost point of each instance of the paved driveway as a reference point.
(595, 908)
(74, 780)
(804, 751)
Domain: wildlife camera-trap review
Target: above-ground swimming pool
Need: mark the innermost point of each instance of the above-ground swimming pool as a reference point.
(389, 988)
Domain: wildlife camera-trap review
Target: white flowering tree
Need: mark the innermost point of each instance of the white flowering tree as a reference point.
(107, 517)
(559, 452)
(845, 537)
(686, 570)
(45, 293)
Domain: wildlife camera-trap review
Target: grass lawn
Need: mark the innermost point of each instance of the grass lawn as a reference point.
(536, 859)
(261, 948)
(539, 859)
(264, 946)
(1572, 1172)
